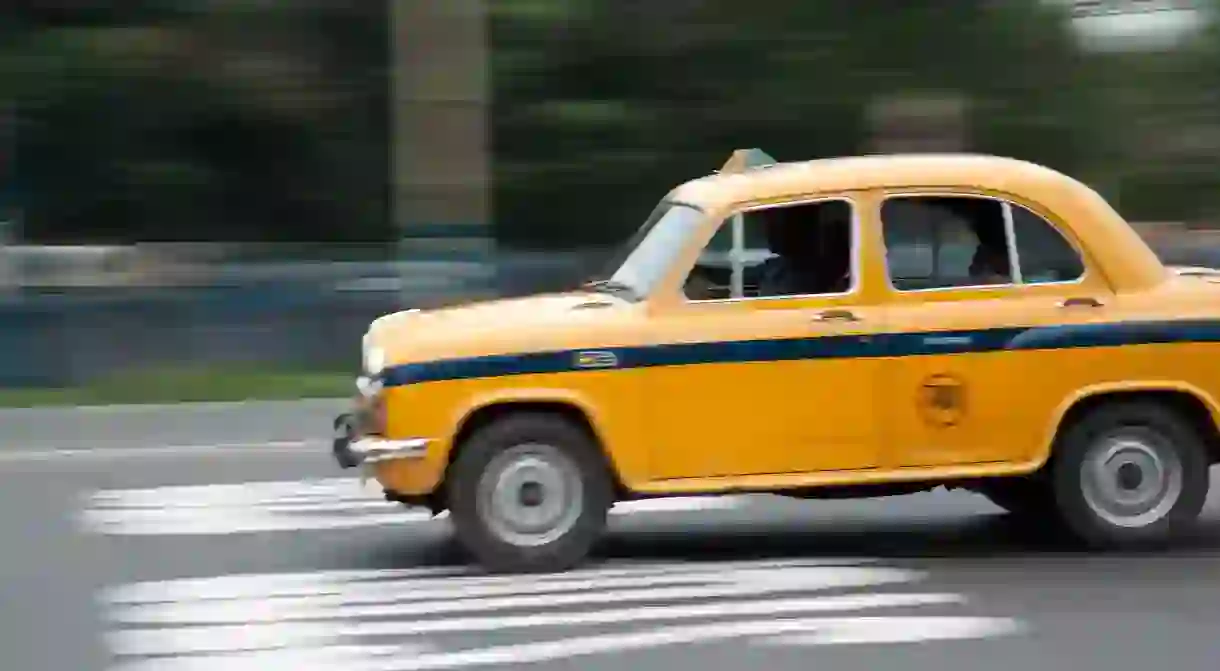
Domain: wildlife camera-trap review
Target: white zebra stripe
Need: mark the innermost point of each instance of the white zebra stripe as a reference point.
(260, 586)
(320, 504)
(381, 620)
(446, 600)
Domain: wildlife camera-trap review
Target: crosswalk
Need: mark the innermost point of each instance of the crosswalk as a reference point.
(298, 505)
(453, 617)
(439, 618)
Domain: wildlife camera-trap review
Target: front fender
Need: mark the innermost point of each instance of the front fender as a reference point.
(626, 467)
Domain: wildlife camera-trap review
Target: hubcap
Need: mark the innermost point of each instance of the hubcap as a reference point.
(1132, 478)
(530, 495)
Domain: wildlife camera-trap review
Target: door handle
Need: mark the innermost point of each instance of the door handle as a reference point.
(836, 316)
(1080, 301)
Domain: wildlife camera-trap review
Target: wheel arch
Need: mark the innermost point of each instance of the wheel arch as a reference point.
(1199, 407)
(487, 410)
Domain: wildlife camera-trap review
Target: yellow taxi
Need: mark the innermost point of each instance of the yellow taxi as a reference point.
(846, 327)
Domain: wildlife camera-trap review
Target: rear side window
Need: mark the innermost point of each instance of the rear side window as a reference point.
(1044, 254)
(959, 241)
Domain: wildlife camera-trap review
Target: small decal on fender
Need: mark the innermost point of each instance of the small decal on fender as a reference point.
(596, 359)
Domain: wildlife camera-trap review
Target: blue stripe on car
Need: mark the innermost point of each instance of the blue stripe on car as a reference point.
(901, 344)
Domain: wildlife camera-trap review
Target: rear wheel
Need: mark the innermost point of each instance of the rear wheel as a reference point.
(1130, 473)
(529, 493)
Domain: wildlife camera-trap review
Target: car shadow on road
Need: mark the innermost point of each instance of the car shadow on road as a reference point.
(988, 535)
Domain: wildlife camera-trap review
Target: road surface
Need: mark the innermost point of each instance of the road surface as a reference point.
(149, 548)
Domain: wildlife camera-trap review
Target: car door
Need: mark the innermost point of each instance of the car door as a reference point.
(768, 384)
(960, 389)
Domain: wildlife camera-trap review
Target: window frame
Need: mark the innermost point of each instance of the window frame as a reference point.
(1010, 243)
(735, 219)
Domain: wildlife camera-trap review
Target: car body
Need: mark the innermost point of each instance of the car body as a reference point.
(1090, 403)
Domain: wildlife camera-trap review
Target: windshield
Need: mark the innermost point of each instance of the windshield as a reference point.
(652, 249)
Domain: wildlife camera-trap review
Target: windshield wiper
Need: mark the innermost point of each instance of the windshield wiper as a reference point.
(612, 286)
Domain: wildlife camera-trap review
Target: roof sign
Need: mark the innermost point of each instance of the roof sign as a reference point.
(744, 159)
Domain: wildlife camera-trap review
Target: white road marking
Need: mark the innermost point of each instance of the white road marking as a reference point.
(381, 620)
(440, 600)
(219, 639)
(874, 630)
(264, 586)
(303, 658)
(318, 504)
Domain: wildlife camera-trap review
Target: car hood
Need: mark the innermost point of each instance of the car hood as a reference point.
(484, 327)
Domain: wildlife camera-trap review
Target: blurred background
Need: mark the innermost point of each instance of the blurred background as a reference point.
(210, 199)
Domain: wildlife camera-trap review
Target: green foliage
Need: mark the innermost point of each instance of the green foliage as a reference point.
(219, 124)
(240, 120)
(602, 105)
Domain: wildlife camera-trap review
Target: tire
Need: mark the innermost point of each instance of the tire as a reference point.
(1132, 436)
(489, 491)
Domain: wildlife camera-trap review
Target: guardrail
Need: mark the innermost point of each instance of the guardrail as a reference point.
(283, 315)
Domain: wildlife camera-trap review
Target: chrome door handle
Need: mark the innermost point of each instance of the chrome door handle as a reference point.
(836, 316)
(1080, 301)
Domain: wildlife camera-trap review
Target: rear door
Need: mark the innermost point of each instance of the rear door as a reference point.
(969, 276)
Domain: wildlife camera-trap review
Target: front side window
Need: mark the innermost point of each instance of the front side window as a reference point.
(939, 242)
(800, 249)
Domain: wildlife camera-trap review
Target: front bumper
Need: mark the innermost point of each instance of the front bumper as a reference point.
(351, 450)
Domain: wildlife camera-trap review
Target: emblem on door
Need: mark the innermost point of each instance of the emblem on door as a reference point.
(596, 359)
(942, 400)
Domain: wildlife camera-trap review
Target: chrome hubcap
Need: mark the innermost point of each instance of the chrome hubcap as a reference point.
(530, 495)
(1132, 478)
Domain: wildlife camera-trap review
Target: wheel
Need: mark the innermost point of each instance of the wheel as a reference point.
(1130, 474)
(529, 493)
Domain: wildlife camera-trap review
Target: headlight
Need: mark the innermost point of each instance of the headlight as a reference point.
(373, 356)
(374, 361)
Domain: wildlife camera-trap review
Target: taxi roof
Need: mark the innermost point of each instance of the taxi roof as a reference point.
(747, 177)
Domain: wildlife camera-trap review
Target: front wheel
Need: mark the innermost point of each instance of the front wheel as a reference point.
(529, 493)
(1130, 473)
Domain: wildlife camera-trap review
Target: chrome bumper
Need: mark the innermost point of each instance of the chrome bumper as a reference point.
(351, 451)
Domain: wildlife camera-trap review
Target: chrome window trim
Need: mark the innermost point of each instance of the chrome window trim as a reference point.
(856, 260)
(1010, 237)
(1010, 242)
(736, 252)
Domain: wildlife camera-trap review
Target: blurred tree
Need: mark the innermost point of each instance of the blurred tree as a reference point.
(1160, 157)
(256, 120)
(221, 121)
(600, 104)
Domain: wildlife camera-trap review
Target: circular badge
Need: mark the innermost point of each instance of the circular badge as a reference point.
(942, 400)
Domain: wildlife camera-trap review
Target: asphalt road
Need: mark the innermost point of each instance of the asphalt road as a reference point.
(150, 550)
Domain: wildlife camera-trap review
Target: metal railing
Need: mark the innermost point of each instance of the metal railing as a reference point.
(68, 328)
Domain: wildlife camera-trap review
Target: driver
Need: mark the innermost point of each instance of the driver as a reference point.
(792, 271)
